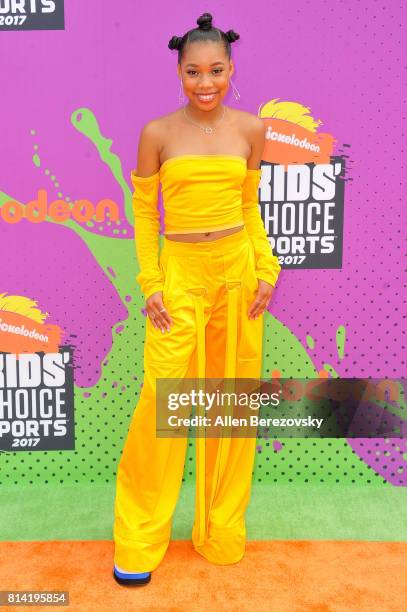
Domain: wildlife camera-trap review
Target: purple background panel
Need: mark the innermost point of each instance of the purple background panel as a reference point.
(342, 60)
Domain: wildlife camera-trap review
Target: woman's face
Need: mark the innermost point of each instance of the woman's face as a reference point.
(205, 69)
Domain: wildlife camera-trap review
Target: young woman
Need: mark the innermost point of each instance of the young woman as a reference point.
(206, 292)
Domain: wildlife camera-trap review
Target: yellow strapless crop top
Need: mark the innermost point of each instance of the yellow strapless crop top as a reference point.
(200, 193)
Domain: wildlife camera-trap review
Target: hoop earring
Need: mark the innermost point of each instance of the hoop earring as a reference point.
(181, 98)
(235, 90)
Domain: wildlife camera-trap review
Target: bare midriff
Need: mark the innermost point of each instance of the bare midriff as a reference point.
(204, 236)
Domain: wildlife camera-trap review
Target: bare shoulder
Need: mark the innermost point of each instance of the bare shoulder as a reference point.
(150, 130)
(149, 148)
(151, 142)
(164, 121)
(250, 123)
(154, 130)
(254, 131)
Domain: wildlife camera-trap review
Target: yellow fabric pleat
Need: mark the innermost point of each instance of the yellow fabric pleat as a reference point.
(200, 435)
(222, 456)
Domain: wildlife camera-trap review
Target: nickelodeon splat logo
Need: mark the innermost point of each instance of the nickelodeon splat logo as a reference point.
(302, 188)
(292, 136)
(23, 328)
(36, 380)
(39, 210)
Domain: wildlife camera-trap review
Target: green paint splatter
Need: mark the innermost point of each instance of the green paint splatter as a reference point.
(340, 341)
(36, 160)
(310, 342)
(331, 370)
(85, 122)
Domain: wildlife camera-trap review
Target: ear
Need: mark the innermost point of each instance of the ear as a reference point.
(179, 71)
(232, 68)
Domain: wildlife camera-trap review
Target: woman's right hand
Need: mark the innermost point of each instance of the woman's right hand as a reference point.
(159, 315)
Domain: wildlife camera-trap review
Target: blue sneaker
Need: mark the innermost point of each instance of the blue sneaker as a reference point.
(131, 579)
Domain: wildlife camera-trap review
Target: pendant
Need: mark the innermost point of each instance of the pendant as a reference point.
(208, 130)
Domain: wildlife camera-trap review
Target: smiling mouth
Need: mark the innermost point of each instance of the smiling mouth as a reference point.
(208, 96)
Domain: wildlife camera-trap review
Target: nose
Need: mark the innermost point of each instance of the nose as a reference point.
(206, 80)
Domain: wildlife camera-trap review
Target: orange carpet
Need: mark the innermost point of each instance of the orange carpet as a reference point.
(278, 576)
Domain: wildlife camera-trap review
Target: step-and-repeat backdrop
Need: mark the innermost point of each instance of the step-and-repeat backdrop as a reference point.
(79, 82)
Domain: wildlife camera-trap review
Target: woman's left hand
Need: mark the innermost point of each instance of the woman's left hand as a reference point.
(264, 293)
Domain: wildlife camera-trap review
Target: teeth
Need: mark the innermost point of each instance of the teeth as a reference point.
(210, 97)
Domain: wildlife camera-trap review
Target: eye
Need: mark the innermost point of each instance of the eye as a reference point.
(216, 70)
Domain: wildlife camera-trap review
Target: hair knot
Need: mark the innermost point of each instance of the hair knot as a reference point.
(175, 42)
(232, 36)
(205, 21)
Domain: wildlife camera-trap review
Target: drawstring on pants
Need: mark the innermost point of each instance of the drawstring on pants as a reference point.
(198, 295)
(233, 287)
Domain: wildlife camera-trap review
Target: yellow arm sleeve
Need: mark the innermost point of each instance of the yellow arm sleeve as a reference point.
(267, 266)
(146, 232)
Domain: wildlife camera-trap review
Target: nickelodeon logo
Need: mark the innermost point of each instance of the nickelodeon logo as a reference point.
(39, 210)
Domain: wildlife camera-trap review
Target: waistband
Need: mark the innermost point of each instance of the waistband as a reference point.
(218, 246)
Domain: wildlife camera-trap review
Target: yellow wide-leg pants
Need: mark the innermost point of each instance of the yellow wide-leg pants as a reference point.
(208, 289)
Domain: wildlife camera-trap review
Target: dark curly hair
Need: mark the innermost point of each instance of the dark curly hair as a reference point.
(203, 32)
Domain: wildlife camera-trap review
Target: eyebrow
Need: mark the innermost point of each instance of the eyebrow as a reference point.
(197, 65)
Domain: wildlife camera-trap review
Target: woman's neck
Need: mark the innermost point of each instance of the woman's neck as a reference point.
(205, 117)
